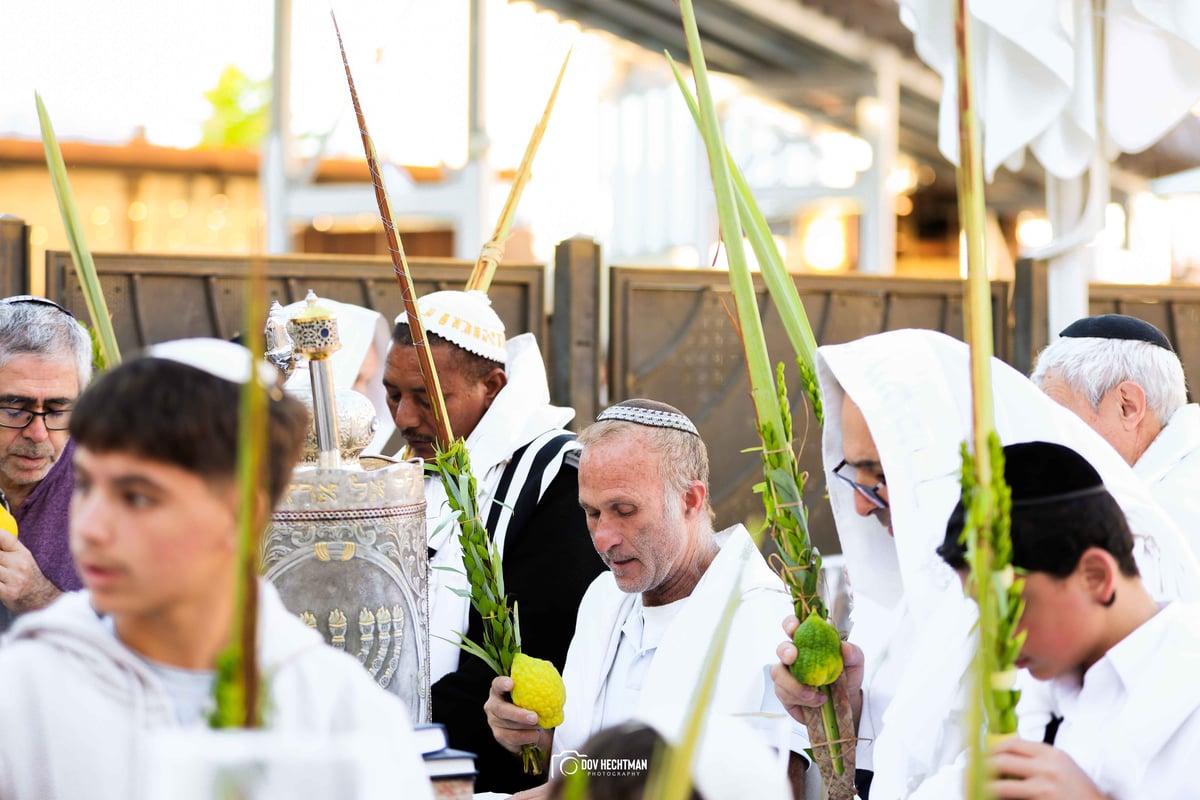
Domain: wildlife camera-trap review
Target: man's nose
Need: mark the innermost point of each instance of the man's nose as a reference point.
(36, 430)
(407, 414)
(605, 534)
(89, 515)
(862, 506)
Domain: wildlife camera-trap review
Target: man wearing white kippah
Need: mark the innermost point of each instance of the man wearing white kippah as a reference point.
(498, 400)
(95, 680)
(647, 625)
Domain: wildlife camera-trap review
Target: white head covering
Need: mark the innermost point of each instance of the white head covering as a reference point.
(225, 360)
(465, 318)
(913, 389)
(360, 331)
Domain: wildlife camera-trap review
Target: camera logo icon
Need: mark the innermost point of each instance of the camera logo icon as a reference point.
(567, 762)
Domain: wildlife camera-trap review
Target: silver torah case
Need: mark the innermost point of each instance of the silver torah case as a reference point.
(346, 548)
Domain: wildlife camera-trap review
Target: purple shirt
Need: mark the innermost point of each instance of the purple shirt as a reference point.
(42, 522)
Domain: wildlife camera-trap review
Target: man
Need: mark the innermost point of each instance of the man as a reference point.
(499, 402)
(1123, 670)
(45, 362)
(892, 471)
(1122, 377)
(645, 626)
(154, 531)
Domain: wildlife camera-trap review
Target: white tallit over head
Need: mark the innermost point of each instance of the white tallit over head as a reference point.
(910, 615)
(914, 392)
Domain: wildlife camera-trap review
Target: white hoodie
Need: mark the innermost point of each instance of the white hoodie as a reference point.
(78, 709)
(910, 616)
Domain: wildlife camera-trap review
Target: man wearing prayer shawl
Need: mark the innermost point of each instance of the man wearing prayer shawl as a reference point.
(1122, 667)
(499, 402)
(1121, 376)
(902, 401)
(45, 362)
(645, 626)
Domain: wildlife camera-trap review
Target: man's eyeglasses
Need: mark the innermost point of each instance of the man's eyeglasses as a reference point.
(20, 418)
(869, 493)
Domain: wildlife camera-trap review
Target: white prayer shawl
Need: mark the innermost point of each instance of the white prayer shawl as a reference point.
(520, 413)
(1134, 725)
(1171, 468)
(678, 663)
(914, 392)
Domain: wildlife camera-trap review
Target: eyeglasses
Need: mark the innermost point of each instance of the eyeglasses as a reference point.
(869, 493)
(20, 418)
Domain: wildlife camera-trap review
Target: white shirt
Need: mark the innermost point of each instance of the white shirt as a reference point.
(644, 628)
(1133, 723)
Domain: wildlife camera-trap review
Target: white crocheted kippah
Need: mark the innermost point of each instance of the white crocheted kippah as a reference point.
(650, 413)
(466, 319)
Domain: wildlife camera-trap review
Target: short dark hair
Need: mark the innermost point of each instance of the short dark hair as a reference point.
(166, 411)
(1060, 508)
(473, 367)
(631, 740)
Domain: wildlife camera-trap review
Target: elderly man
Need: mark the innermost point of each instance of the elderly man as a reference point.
(45, 362)
(892, 463)
(645, 626)
(498, 400)
(1122, 377)
(94, 679)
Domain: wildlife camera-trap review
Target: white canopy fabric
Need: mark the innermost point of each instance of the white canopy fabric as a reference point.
(1035, 75)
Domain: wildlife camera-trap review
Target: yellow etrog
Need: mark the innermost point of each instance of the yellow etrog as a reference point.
(538, 687)
(818, 652)
(7, 523)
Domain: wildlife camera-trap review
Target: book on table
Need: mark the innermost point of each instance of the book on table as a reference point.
(430, 737)
(449, 762)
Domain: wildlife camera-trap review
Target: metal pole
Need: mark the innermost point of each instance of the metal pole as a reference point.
(273, 169)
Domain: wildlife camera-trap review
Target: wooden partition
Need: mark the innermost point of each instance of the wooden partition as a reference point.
(672, 340)
(154, 298)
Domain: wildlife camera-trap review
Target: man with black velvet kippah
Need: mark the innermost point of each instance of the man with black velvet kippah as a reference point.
(1122, 667)
(1121, 376)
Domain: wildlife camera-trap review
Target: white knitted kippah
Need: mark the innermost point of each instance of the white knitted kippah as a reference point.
(466, 319)
(650, 413)
(217, 357)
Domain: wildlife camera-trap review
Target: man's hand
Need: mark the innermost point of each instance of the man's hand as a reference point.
(1034, 771)
(795, 695)
(513, 726)
(23, 587)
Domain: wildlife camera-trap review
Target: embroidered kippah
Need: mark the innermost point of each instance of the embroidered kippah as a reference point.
(1117, 326)
(466, 319)
(650, 413)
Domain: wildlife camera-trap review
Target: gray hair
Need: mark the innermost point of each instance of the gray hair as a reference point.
(41, 330)
(683, 458)
(1092, 367)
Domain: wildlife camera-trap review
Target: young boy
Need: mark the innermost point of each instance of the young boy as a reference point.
(89, 680)
(1123, 669)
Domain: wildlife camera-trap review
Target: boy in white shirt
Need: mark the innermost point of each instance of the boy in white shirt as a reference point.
(1123, 668)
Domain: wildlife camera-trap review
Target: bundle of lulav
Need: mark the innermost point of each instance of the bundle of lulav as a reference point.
(986, 497)
(819, 662)
(537, 685)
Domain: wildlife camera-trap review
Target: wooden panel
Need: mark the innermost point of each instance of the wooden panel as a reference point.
(155, 298)
(672, 340)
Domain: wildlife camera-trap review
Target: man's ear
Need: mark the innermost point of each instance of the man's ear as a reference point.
(1099, 572)
(694, 498)
(493, 382)
(1131, 399)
